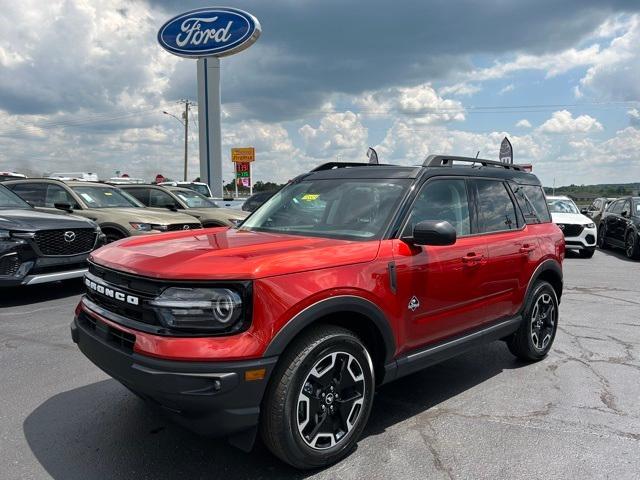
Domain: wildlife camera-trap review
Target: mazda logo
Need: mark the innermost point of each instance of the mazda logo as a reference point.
(69, 236)
(186, 227)
(561, 227)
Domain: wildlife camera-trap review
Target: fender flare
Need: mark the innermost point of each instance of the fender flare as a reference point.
(549, 265)
(337, 304)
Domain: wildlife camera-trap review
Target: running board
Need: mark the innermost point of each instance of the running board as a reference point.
(416, 360)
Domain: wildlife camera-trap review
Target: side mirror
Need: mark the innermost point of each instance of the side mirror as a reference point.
(63, 206)
(172, 206)
(584, 211)
(431, 232)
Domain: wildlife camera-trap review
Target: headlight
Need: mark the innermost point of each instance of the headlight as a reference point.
(204, 309)
(590, 225)
(147, 227)
(141, 227)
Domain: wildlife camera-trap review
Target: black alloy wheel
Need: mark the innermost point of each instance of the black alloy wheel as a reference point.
(602, 241)
(331, 399)
(631, 246)
(543, 321)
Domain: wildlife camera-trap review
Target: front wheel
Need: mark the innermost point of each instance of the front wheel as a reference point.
(602, 240)
(320, 398)
(631, 247)
(533, 340)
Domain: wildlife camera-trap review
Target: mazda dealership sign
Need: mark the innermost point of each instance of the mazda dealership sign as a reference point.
(209, 32)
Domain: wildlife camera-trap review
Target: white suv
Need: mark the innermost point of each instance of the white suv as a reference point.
(579, 230)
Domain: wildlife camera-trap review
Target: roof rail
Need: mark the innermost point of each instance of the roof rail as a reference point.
(447, 161)
(332, 165)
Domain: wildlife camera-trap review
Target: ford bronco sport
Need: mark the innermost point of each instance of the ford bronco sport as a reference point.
(351, 276)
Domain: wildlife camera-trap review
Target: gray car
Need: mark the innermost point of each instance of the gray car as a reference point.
(187, 201)
(118, 213)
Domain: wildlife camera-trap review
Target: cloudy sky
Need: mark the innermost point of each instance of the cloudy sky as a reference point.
(83, 84)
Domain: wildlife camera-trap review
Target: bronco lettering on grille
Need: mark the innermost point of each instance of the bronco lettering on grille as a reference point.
(111, 293)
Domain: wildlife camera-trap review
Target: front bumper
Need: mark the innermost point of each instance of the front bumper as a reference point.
(210, 398)
(586, 240)
(21, 266)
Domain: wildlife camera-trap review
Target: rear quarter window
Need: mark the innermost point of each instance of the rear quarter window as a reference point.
(532, 203)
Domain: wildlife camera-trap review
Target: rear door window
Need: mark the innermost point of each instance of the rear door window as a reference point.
(532, 203)
(496, 211)
(160, 199)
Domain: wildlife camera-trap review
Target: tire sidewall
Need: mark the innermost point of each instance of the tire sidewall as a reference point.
(540, 289)
(295, 443)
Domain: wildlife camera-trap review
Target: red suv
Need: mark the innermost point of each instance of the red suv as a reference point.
(351, 276)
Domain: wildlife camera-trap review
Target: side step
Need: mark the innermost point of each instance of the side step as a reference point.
(416, 360)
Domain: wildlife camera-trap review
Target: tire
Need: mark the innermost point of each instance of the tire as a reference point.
(306, 379)
(631, 247)
(602, 241)
(587, 252)
(113, 235)
(533, 340)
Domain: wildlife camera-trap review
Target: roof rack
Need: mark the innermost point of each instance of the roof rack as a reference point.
(447, 161)
(332, 165)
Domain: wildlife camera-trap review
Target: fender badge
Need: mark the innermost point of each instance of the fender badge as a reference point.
(414, 303)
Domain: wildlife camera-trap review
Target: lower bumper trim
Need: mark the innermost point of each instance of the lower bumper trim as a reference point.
(53, 277)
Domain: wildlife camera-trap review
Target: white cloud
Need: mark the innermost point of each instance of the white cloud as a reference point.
(337, 134)
(524, 123)
(422, 103)
(508, 88)
(564, 122)
(614, 72)
(462, 89)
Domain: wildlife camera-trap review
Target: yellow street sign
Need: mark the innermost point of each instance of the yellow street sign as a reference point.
(243, 155)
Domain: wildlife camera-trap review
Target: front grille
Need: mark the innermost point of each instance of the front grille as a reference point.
(65, 242)
(183, 226)
(571, 230)
(122, 340)
(128, 285)
(9, 265)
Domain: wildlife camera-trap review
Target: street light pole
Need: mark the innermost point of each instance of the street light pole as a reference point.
(185, 122)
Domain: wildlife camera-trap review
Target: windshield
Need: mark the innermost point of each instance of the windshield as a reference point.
(8, 199)
(562, 206)
(201, 189)
(336, 208)
(105, 197)
(194, 199)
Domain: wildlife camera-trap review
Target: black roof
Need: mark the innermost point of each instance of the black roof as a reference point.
(433, 166)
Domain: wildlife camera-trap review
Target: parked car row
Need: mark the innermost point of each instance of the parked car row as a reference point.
(48, 227)
(607, 223)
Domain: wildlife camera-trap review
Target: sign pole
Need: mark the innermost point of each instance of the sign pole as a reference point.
(210, 132)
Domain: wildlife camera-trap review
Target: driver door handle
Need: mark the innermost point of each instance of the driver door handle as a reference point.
(472, 258)
(526, 248)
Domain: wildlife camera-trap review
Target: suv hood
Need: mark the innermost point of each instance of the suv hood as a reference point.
(571, 218)
(142, 215)
(224, 253)
(24, 219)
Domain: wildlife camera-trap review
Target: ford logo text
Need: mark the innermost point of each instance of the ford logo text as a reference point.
(209, 32)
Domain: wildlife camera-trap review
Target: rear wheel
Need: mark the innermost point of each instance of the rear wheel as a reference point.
(587, 252)
(320, 398)
(535, 336)
(631, 248)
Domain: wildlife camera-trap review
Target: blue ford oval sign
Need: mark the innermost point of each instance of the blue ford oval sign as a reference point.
(209, 32)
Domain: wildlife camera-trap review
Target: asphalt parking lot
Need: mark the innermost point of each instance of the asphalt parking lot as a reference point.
(482, 415)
